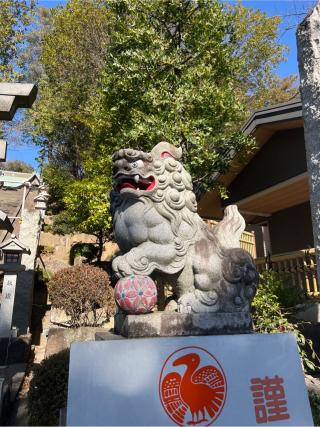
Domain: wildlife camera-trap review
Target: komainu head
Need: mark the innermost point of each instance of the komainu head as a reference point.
(158, 175)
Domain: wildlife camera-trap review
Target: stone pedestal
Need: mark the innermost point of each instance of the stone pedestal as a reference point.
(144, 382)
(164, 324)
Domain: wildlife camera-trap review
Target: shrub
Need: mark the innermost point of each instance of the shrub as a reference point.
(281, 285)
(48, 390)
(80, 291)
(314, 399)
(270, 315)
(62, 224)
(87, 250)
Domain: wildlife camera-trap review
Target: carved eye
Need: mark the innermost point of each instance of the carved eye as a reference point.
(137, 164)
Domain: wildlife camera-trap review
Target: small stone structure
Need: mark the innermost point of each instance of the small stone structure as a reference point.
(159, 233)
(308, 41)
(17, 195)
(11, 251)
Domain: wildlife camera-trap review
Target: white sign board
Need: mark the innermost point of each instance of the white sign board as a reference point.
(7, 303)
(239, 380)
(3, 150)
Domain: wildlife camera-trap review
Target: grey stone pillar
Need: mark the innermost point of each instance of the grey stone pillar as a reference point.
(308, 42)
(29, 235)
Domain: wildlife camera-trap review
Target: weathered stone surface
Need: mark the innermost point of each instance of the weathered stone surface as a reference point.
(163, 324)
(309, 312)
(56, 252)
(29, 235)
(15, 95)
(159, 233)
(60, 338)
(308, 41)
(104, 336)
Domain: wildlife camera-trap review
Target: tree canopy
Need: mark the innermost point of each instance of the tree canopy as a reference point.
(123, 73)
(16, 166)
(15, 16)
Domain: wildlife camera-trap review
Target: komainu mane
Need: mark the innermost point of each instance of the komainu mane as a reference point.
(160, 234)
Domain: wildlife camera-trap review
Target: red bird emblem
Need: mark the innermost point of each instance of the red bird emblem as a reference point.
(197, 393)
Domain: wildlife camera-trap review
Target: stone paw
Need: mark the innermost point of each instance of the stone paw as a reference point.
(121, 267)
(198, 302)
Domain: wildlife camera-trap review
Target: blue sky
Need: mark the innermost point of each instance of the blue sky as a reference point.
(290, 10)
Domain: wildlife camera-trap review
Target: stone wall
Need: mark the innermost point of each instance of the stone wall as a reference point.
(55, 249)
(61, 246)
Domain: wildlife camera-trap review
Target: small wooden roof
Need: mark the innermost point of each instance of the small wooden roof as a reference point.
(13, 244)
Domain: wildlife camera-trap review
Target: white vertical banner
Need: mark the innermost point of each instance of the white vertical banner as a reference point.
(7, 303)
(3, 150)
(253, 379)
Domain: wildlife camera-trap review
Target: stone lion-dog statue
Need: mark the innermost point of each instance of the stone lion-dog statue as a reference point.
(160, 234)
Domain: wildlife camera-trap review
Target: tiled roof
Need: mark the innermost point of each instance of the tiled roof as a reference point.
(9, 179)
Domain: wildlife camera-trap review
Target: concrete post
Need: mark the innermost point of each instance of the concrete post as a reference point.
(308, 43)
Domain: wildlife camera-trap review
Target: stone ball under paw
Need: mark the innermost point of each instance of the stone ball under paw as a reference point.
(136, 294)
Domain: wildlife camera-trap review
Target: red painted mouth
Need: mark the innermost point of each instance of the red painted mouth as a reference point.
(135, 183)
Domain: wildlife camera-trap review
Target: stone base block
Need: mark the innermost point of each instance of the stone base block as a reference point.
(105, 336)
(15, 350)
(59, 338)
(162, 324)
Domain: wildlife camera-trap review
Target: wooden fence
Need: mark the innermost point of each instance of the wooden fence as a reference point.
(299, 267)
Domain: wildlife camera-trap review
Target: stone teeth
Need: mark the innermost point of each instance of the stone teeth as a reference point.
(136, 178)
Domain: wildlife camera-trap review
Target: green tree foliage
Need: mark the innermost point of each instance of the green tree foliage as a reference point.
(173, 72)
(15, 16)
(274, 91)
(130, 73)
(29, 56)
(80, 205)
(71, 58)
(183, 72)
(58, 178)
(16, 166)
(87, 207)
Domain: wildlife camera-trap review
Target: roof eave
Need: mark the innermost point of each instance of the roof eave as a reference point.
(277, 113)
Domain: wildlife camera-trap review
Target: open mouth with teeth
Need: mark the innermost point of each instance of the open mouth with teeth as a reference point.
(135, 182)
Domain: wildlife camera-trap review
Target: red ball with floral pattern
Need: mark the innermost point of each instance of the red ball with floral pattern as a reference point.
(136, 294)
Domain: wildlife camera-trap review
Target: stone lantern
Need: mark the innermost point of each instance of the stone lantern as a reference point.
(41, 202)
(10, 255)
